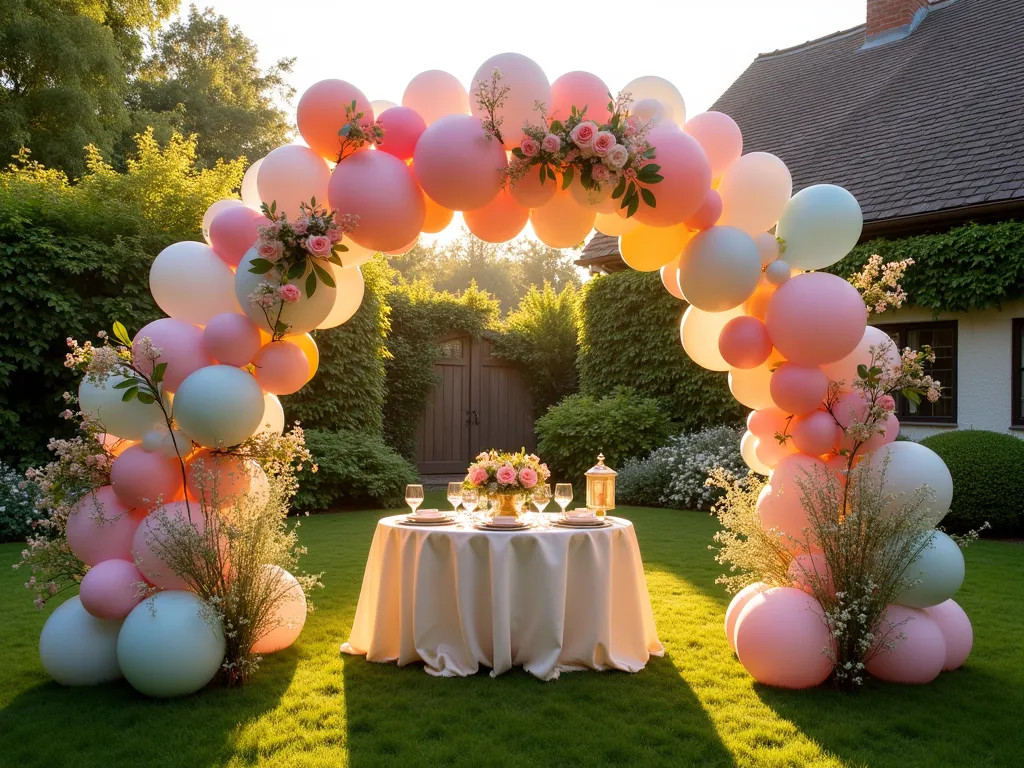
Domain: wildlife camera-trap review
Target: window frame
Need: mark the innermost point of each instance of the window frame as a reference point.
(902, 405)
(1016, 363)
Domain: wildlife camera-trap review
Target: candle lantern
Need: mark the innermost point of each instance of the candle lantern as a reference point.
(600, 487)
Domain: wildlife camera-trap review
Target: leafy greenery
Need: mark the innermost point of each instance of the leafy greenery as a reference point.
(629, 336)
(620, 425)
(988, 485)
(355, 469)
(17, 504)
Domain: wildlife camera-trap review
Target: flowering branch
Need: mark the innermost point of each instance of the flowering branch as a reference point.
(490, 97)
(353, 134)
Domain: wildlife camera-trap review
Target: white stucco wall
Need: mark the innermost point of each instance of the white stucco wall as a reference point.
(984, 355)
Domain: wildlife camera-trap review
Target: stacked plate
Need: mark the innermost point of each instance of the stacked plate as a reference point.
(581, 519)
(428, 517)
(503, 523)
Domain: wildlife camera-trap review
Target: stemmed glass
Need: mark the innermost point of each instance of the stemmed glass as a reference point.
(541, 497)
(563, 495)
(455, 496)
(414, 496)
(470, 498)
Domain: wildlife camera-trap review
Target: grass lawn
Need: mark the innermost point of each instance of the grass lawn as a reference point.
(310, 706)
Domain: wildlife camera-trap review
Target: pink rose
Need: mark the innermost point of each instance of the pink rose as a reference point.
(583, 134)
(300, 226)
(335, 234)
(289, 293)
(603, 142)
(270, 250)
(886, 403)
(528, 477)
(617, 157)
(632, 126)
(529, 146)
(551, 143)
(505, 474)
(319, 245)
(600, 173)
(477, 475)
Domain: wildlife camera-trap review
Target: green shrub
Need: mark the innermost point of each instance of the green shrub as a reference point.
(621, 425)
(988, 481)
(356, 470)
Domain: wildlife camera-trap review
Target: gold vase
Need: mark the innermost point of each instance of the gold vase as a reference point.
(506, 505)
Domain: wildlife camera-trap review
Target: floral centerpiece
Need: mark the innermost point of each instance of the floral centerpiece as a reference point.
(505, 476)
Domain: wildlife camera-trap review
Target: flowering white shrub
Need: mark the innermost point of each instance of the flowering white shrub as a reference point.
(17, 504)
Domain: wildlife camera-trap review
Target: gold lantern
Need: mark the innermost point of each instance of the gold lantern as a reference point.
(601, 487)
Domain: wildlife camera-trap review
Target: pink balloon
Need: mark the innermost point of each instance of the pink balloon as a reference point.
(110, 589)
(281, 367)
(181, 347)
(815, 318)
(708, 213)
(917, 659)
(798, 389)
(101, 528)
(526, 83)
(845, 370)
(956, 631)
(152, 534)
(815, 433)
(848, 408)
(687, 177)
(289, 613)
(402, 129)
(580, 89)
(719, 137)
(141, 479)
(767, 421)
(231, 339)
(780, 505)
(321, 114)
(530, 192)
(780, 636)
(435, 94)
(808, 571)
(562, 223)
(382, 191)
(217, 478)
(670, 279)
(456, 164)
(291, 175)
(770, 451)
(739, 600)
(498, 221)
(744, 342)
(233, 231)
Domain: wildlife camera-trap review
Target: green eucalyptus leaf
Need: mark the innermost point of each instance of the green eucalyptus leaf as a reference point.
(567, 177)
(619, 188)
(145, 397)
(129, 394)
(648, 197)
(324, 275)
(158, 372)
(126, 383)
(311, 284)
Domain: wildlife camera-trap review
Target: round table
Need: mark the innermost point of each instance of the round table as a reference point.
(548, 599)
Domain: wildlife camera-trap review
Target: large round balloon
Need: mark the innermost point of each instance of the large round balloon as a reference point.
(273, 415)
(956, 631)
(752, 386)
(231, 339)
(435, 94)
(766, 422)
(736, 605)
(755, 190)
(686, 178)
(748, 451)
(129, 420)
(845, 370)
(301, 316)
(910, 467)
(562, 223)
(654, 87)
(100, 527)
(402, 129)
(527, 85)
(381, 190)
(172, 644)
(938, 572)
(583, 91)
(321, 114)
(815, 433)
(150, 541)
(699, 331)
(181, 348)
(250, 192)
(219, 406)
(916, 658)
(815, 318)
(720, 269)
(110, 589)
(646, 248)
(289, 613)
(456, 164)
(190, 283)
(291, 175)
(281, 367)
(350, 288)
(221, 479)
(819, 226)
(77, 648)
(141, 479)
(500, 220)
(234, 231)
(719, 137)
(532, 191)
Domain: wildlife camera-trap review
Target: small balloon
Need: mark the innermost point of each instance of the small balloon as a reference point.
(234, 231)
(777, 272)
(281, 368)
(744, 342)
(798, 389)
(181, 347)
(231, 339)
(700, 330)
(218, 207)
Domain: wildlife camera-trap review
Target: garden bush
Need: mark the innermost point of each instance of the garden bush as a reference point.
(355, 470)
(675, 475)
(988, 481)
(17, 505)
(621, 425)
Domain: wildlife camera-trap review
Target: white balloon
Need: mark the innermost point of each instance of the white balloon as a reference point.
(748, 450)
(171, 644)
(289, 613)
(301, 317)
(754, 191)
(291, 175)
(174, 444)
(699, 332)
(350, 287)
(273, 415)
(654, 87)
(939, 569)
(648, 111)
(751, 386)
(76, 648)
(219, 405)
(845, 370)
(356, 255)
(128, 420)
(719, 269)
(189, 282)
(910, 467)
(819, 226)
(777, 272)
(213, 210)
(767, 246)
(250, 193)
(381, 105)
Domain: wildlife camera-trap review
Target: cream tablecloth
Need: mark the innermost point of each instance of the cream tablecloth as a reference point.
(550, 600)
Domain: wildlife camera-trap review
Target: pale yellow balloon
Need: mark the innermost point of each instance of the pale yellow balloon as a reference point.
(670, 279)
(562, 222)
(355, 255)
(699, 332)
(381, 105)
(273, 415)
(754, 191)
(309, 348)
(751, 386)
(350, 286)
(748, 450)
(654, 87)
(646, 249)
(614, 225)
(250, 195)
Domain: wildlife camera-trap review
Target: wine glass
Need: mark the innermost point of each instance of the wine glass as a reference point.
(414, 496)
(470, 498)
(455, 496)
(541, 497)
(563, 495)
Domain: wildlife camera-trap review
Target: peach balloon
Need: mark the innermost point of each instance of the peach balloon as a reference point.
(670, 278)
(405, 248)
(456, 165)
(708, 213)
(598, 199)
(815, 433)
(351, 287)
(289, 612)
(719, 137)
(141, 479)
(435, 94)
(757, 304)
(436, 217)
(646, 249)
(309, 348)
(234, 231)
(686, 178)
(755, 190)
(291, 175)
(273, 415)
(321, 114)
(500, 220)
(719, 269)
(798, 389)
(751, 386)
(613, 225)
(780, 635)
(281, 367)
(356, 255)
(739, 600)
(219, 478)
(402, 129)
(382, 191)
(531, 192)
(815, 318)
(784, 514)
(956, 631)
(231, 339)
(810, 571)
(181, 347)
(768, 247)
(100, 527)
(580, 89)
(151, 537)
(796, 467)
(110, 589)
(769, 451)
(767, 421)
(562, 223)
(526, 83)
(748, 451)
(744, 342)
(918, 657)
(699, 331)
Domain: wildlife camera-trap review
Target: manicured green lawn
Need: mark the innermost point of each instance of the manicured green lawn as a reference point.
(310, 706)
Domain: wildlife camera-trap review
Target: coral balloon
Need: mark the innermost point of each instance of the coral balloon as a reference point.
(815, 318)
(250, 192)
(100, 527)
(815, 433)
(321, 114)
(887, 432)
(141, 479)
(150, 540)
(739, 600)
(719, 137)
(190, 283)
(533, 192)
(219, 406)
(281, 368)
(435, 94)
(526, 83)
(350, 289)
(670, 278)
(76, 648)
(500, 220)
(755, 190)
(686, 178)
(381, 190)
(751, 386)
(910, 466)
(562, 223)
(780, 635)
(720, 269)
(301, 316)
(767, 421)
(654, 87)
(956, 631)
(699, 332)
(798, 389)
(234, 231)
(215, 208)
(289, 613)
(744, 342)
(181, 348)
(231, 339)
(291, 175)
(436, 218)
(938, 571)
(748, 451)
(402, 129)
(126, 420)
(456, 165)
(580, 90)
(820, 225)
(646, 249)
(221, 479)
(708, 213)
(110, 589)
(309, 348)
(915, 659)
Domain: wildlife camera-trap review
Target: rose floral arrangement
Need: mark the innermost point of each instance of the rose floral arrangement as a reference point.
(506, 472)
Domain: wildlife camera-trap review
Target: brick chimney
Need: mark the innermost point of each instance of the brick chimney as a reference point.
(887, 15)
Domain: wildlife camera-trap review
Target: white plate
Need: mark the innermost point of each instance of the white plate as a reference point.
(580, 521)
(601, 524)
(422, 521)
(489, 527)
(428, 514)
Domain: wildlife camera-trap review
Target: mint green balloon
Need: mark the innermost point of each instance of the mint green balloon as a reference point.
(128, 420)
(940, 572)
(819, 225)
(219, 405)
